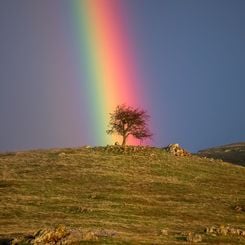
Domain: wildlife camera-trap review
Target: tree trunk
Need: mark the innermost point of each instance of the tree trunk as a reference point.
(124, 140)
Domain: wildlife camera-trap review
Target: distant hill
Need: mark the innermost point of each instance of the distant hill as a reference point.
(233, 153)
(116, 195)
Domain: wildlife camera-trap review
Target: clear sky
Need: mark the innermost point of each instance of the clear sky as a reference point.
(190, 53)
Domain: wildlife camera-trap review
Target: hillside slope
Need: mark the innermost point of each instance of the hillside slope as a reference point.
(233, 153)
(137, 196)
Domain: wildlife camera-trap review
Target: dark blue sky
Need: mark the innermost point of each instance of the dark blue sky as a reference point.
(196, 54)
(192, 55)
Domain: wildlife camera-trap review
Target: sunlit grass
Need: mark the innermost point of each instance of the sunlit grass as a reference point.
(135, 193)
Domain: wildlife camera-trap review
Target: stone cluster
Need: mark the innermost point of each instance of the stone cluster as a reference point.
(224, 230)
(127, 149)
(63, 236)
(176, 150)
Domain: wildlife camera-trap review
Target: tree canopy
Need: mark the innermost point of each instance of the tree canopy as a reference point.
(126, 120)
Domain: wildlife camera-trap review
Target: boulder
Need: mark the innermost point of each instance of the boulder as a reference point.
(176, 150)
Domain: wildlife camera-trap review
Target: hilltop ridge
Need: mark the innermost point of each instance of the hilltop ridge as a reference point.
(233, 153)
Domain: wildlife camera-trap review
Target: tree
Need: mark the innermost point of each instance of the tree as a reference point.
(126, 120)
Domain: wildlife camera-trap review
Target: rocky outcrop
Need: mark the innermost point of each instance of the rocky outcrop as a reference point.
(224, 230)
(176, 150)
(63, 236)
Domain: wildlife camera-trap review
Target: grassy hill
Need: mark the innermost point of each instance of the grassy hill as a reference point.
(132, 196)
(234, 153)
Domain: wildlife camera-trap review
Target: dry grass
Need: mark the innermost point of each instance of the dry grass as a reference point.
(136, 193)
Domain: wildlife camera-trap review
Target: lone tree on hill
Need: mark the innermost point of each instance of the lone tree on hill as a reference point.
(126, 120)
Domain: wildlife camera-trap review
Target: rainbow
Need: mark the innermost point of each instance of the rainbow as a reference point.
(107, 57)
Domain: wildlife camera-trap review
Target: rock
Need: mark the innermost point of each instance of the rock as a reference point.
(239, 208)
(62, 154)
(176, 150)
(232, 231)
(193, 237)
(222, 230)
(164, 232)
(210, 230)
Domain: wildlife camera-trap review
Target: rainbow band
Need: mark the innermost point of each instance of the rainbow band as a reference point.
(107, 54)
